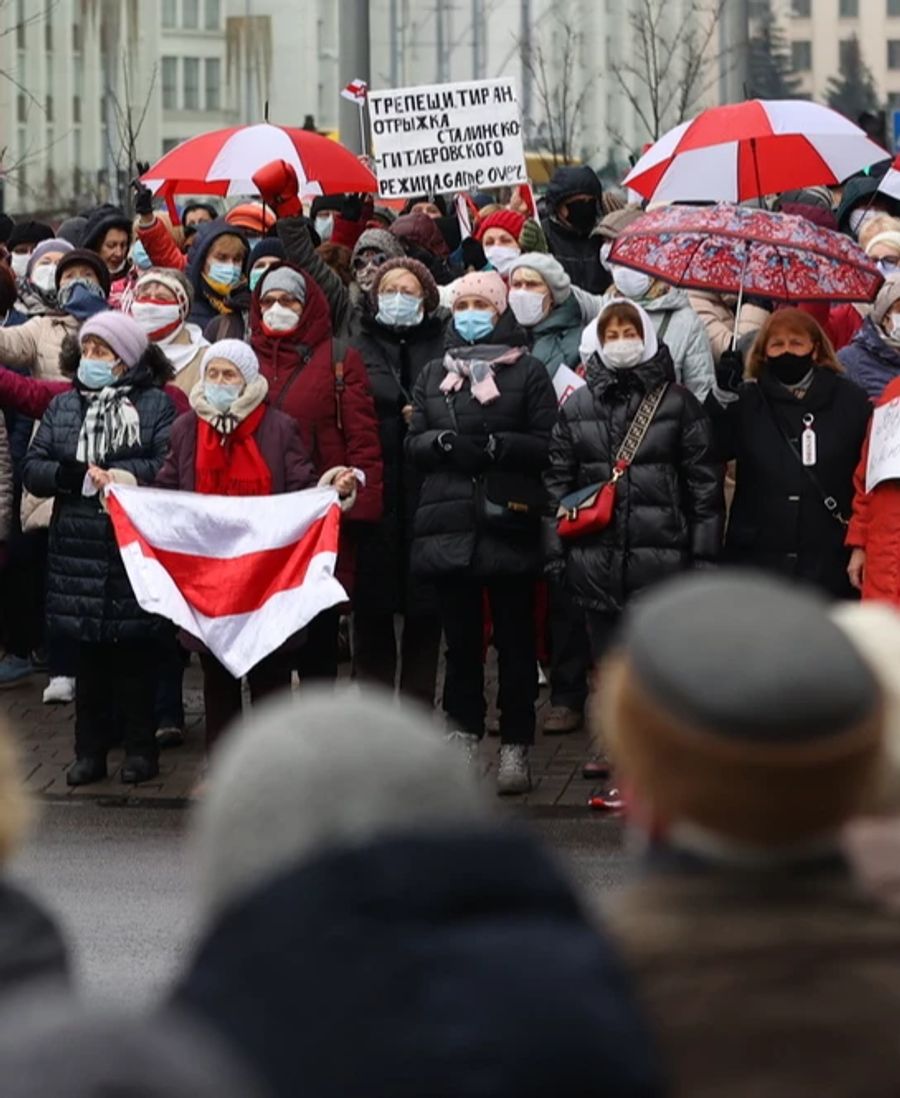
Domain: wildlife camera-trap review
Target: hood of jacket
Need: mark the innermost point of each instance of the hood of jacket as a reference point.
(856, 192)
(569, 181)
(672, 299)
(590, 340)
(207, 235)
(314, 326)
(420, 229)
(99, 221)
(414, 944)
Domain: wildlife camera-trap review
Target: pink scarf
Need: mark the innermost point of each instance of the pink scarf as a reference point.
(479, 370)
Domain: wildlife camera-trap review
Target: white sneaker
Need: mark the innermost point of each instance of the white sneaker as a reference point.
(467, 744)
(513, 773)
(59, 691)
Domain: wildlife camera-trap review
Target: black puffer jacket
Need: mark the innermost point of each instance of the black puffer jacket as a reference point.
(449, 539)
(394, 359)
(89, 597)
(669, 511)
(778, 520)
(579, 254)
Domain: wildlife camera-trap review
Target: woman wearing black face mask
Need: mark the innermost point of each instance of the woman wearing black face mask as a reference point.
(796, 429)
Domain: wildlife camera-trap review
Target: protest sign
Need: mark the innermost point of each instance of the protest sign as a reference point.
(440, 138)
(565, 383)
(884, 445)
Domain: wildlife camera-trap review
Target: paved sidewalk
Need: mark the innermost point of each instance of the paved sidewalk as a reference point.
(45, 734)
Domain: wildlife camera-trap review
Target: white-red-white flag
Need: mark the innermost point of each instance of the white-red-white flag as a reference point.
(240, 573)
(356, 91)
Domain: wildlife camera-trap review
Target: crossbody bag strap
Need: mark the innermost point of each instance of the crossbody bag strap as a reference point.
(830, 504)
(639, 427)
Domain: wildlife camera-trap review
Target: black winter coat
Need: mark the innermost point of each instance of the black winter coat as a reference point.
(394, 359)
(462, 966)
(89, 597)
(669, 512)
(448, 536)
(778, 519)
(579, 255)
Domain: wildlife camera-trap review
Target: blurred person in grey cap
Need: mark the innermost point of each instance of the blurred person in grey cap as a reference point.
(748, 730)
(369, 928)
(872, 359)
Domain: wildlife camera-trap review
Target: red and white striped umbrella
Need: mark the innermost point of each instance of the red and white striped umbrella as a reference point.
(744, 150)
(224, 162)
(890, 183)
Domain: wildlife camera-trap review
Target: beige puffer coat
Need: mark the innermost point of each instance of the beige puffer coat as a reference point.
(35, 345)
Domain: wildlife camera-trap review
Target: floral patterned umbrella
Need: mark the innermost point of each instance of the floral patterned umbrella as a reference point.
(735, 249)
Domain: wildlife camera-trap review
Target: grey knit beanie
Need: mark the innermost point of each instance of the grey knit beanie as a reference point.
(887, 295)
(286, 279)
(378, 240)
(330, 769)
(550, 270)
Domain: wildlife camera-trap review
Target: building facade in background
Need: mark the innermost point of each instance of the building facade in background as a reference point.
(93, 86)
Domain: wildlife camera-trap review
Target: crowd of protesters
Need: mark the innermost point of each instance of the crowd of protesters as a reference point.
(416, 366)
(524, 437)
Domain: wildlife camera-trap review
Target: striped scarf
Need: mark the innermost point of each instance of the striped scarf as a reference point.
(111, 423)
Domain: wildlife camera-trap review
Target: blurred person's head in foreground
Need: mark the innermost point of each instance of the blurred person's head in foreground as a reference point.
(355, 883)
(742, 721)
(53, 1047)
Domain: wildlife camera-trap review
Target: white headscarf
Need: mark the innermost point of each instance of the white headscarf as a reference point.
(590, 340)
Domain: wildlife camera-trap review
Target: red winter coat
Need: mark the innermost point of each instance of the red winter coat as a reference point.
(303, 382)
(875, 525)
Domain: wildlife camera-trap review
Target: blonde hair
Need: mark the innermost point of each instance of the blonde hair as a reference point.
(15, 809)
(883, 223)
(796, 319)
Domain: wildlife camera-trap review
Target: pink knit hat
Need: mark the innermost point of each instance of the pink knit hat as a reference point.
(486, 284)
(118, 331)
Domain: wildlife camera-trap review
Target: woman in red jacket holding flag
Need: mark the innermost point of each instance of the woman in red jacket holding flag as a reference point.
(233, 444)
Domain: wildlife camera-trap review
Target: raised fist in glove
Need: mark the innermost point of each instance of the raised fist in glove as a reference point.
(143, 199)
(730, 371)
(278, 187)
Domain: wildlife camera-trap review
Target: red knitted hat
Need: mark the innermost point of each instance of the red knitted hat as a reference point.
(509, 220)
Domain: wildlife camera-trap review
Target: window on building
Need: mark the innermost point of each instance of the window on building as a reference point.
(76, 109)
(170, 143)
(170, 13)
(893, 7)
(21, 108)
(893, 53)
(846, 48)
(848, 9)
(190, 14)
(801, 56)
(48, 107)
(48, 33)
(213, 84)
(800, 9)
(76, 38)
(170, 83)
(213, 14)
(893, 101)
(192, 83)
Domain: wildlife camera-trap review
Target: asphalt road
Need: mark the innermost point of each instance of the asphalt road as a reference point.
(119, 881)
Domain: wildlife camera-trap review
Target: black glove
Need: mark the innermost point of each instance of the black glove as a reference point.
(352, 207)
(143, 199)
(70, 477)
(469, 454)
(473, 254)
(730, 371)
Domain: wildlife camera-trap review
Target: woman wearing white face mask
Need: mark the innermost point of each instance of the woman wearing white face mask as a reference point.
(668, 513)
(37, 289)
(542, 301)
(676, 324)
(872, 360)
(505, 235)
(161, 304)
(402, 329)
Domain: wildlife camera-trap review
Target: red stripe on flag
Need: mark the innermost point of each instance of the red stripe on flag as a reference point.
(219, 587)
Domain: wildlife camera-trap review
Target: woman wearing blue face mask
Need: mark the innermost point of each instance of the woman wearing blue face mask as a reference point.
(217, 269)
(402, 329)
(113, 425)
(479, 435)
(872, 359)
(233, 444)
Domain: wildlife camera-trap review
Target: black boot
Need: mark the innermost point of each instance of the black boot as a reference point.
(86, 770)
(138, 768)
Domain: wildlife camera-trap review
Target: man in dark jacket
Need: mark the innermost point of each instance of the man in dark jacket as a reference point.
(364, 939)
(749, 730)
(573, 198)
